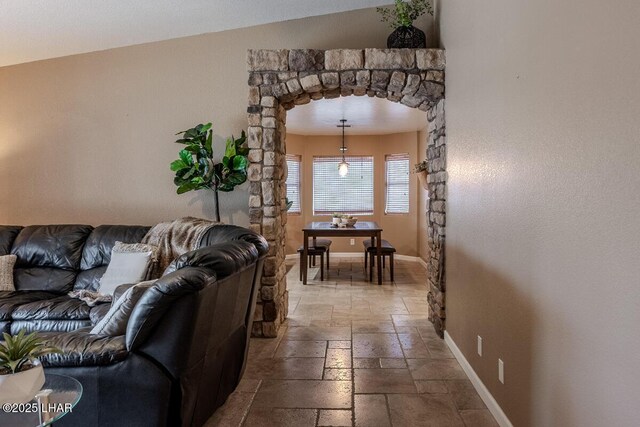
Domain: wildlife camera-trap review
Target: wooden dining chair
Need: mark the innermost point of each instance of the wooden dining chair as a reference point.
(370, 252)
(321, 248)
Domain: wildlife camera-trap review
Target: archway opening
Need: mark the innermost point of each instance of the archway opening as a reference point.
(281, 79)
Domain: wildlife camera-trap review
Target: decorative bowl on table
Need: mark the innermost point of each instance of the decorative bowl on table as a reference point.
(349, 222)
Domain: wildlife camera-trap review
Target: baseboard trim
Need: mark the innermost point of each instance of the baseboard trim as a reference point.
(483, 391)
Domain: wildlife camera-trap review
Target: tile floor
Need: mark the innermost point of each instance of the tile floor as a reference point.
(354, 354)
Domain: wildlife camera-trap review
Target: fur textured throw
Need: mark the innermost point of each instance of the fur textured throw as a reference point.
(91, 298)
(174, 238)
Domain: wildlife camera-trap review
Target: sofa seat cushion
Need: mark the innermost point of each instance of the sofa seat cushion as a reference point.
(10, 300)
(59, 308)
(80, 348)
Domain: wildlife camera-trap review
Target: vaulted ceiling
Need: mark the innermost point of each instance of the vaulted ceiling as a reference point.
(31, 30)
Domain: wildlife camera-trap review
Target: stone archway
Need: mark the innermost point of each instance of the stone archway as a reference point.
(281, 79)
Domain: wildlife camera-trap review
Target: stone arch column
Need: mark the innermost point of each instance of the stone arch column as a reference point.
(281, 79)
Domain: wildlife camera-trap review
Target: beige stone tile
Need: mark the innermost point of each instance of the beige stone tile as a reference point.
(428, 410)
(270, 417)
(290, 368)
(431, 386)
(338, 358)
(339, 344)
(365, 363)
(464, 395)
(417, 353)
(248, 385)
(233, 411)
(383, 381)
(376, 345)
(318, 333)
(410, 340)
(335, 417)
(406, 329)
(301, 349)
(436, 369)
(337, 374)
(371, 411)
(304, 394)
(396, 363)
(411, 320)
(372, 326)
(478, 418)
(438, 348)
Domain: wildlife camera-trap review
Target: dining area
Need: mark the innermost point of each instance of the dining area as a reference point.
(315, 243)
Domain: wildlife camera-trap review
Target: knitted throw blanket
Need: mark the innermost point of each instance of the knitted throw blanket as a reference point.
(174, 238)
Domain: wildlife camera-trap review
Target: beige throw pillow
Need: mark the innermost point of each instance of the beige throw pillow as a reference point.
(6, 272)
(130, 263)
(114, 323)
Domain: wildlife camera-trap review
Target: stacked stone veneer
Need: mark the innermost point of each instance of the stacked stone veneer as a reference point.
(281, 79)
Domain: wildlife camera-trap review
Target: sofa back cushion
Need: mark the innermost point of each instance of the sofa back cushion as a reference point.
(48, 256)
(8, 234)
(96, 254)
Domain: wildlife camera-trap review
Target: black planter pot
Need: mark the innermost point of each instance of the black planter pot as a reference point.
(407, 37)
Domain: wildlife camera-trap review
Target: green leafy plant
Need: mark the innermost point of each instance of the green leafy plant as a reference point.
(196, 170)
(403, 13)
(18, 352)
(288, 203)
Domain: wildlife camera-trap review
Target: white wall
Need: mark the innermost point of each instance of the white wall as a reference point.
(543, 214)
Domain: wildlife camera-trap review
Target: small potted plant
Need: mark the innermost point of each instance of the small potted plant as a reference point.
(21, 373)
(336, 218)
(421, 170)
(400, 17)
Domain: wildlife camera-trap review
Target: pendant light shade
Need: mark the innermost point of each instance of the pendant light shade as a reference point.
(343, 166)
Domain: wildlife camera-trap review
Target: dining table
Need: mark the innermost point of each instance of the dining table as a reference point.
(314, 230)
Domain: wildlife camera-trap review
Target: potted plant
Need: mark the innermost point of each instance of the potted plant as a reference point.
(336, 218)
(401, 17)
(421, 170)
(196, 169)
(21, 374)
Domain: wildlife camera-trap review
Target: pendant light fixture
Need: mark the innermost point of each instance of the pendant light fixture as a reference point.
(343, 166)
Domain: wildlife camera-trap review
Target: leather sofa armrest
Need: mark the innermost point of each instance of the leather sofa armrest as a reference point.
(80, 348)
(121, 290)
(224, 233)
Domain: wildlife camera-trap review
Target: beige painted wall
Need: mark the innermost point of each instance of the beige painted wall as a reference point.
(400, 229)
(423, 200)
(543, 208)
(89, 138)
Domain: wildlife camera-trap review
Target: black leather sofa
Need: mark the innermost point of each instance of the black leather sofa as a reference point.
(186, 341)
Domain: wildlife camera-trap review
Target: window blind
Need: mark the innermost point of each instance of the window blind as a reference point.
(397, 183)
(293, 182)
(351, 194)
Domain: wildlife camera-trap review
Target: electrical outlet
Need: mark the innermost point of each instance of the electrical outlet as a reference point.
(501, 371)
(479, 346)
(353, 242)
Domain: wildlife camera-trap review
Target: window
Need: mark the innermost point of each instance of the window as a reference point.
(397, 182)
(352, 194)
(293, 183)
